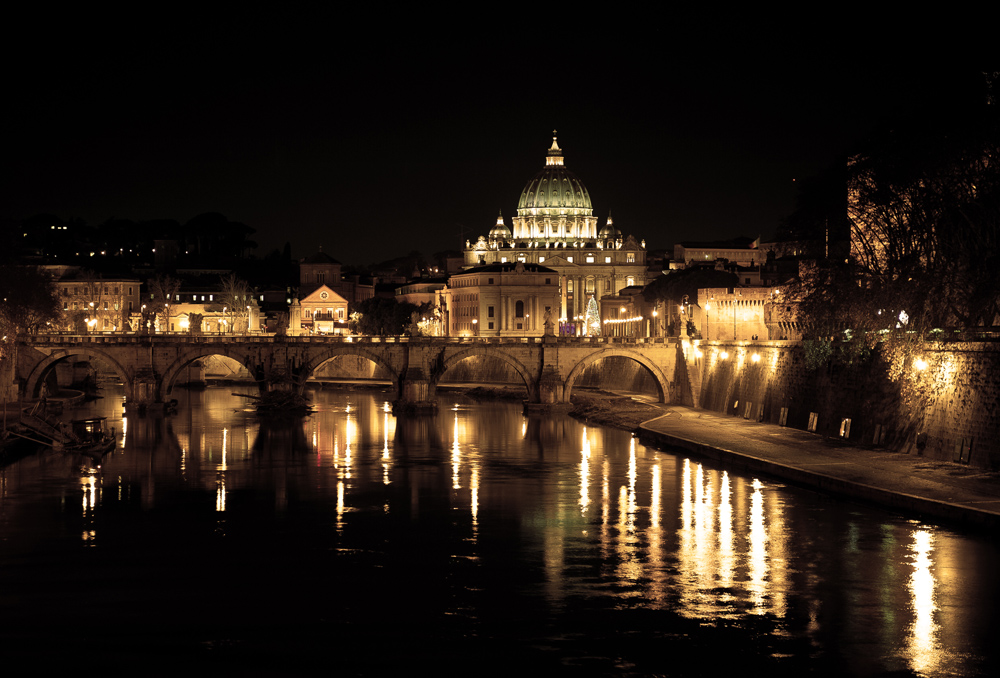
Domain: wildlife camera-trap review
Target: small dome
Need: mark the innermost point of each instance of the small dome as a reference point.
(555, 190)
(500, 230)
(609, 230)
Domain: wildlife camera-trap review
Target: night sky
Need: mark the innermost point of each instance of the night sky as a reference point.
(373, 141)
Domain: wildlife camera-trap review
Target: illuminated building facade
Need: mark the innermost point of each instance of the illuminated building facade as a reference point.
(323, 311)
(101, 304)
(503, 300)
(555, 227)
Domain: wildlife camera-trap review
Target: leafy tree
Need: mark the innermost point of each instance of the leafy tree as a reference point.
(381, 316)
(194, 323)
(27, 305)
(923, 200)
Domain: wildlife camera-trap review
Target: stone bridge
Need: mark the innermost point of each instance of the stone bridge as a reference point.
(148, 365)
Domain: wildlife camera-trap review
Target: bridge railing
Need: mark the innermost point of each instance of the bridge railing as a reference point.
(64, 338)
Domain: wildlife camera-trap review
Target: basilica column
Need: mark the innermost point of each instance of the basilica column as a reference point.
(562, 295)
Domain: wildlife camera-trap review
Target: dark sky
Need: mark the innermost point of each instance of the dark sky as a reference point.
(373, 141)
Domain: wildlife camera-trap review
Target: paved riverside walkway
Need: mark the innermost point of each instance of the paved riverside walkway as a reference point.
(905, 482)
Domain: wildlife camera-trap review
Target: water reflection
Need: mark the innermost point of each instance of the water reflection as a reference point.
(922, 644)
(533, 513)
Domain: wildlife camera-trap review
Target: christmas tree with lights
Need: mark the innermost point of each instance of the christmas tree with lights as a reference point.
(593, 319)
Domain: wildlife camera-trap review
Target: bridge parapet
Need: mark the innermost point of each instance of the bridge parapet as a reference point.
(549, 366)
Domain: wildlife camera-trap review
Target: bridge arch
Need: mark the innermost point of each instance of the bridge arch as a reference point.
(347, 349)
(448, 362)
(189, 355)
(33, 384)
(662, 383)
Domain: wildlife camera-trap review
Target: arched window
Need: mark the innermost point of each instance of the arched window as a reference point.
(519, 309)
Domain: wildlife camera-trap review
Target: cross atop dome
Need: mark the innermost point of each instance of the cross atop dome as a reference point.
(555, 153)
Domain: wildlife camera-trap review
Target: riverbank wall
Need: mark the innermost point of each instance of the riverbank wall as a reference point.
(940, 403)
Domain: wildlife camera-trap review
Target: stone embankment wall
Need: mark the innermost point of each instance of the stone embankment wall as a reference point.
(943, 403)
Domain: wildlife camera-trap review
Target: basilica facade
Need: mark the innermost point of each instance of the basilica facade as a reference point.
(555, 227)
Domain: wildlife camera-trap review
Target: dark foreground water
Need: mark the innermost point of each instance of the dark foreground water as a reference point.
(478, 542)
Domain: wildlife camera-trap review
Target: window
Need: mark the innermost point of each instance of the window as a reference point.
(503, 260)
(569, 259)
(489, 312)
(105, 306)
(519, 311)
(541, 259)
(590, 258)
(548, 281)
(130, 291)
(490, 281)
(491, 326)
(630, 257)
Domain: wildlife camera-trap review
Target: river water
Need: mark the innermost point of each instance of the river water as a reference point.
(477, 541)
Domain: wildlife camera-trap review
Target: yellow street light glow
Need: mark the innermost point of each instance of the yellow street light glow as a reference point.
(920, 364)
(755, 357)
(724, 355)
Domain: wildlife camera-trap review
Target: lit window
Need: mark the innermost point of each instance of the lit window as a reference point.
(607, 260)
(569, 259)
(630, 257)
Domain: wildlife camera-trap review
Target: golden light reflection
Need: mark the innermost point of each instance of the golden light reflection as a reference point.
(925, 655)
(456, 458)
(220, 493)
(386, 462)
(474, 483)
(757, 556)
(727, 540)
(89, 486)
(350, 437)
(585, 475)
(723, 559)
(340, 505)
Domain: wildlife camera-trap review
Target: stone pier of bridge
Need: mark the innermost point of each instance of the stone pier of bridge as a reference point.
(149, 365)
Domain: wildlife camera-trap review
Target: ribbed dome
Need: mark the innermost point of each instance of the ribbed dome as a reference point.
(609, 230)
(500, 230)
(555, 190)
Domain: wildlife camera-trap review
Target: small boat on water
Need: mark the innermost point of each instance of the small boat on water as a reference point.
(91, 437)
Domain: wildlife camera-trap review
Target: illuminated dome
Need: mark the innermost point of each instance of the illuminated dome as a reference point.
(609, 231)
(555, 190)
(555, 205)
(500, 230)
